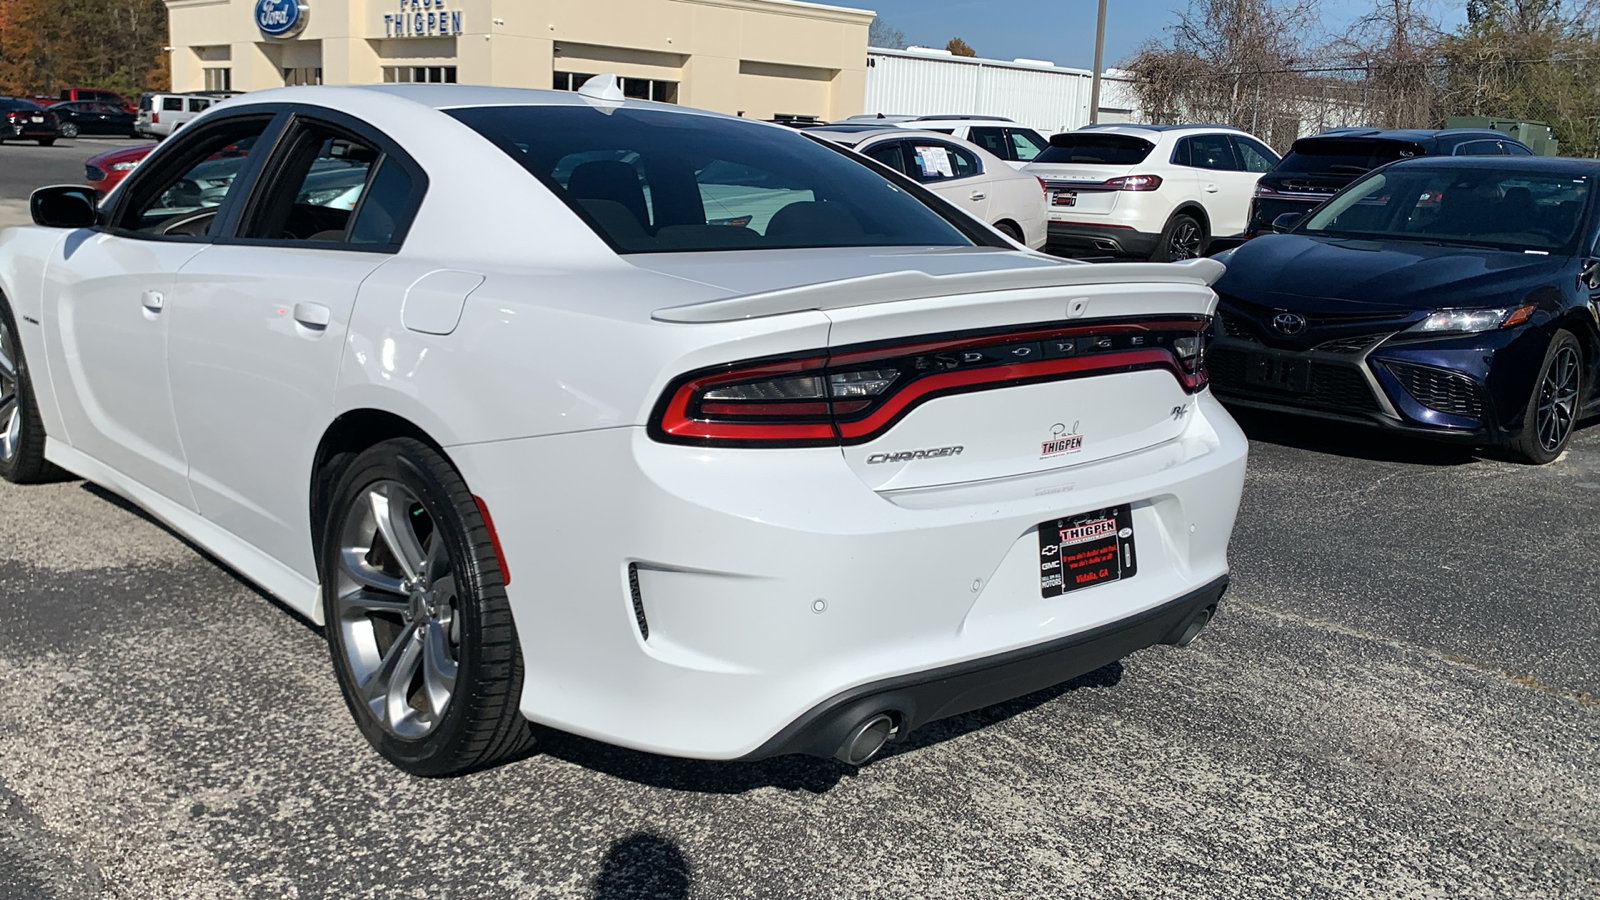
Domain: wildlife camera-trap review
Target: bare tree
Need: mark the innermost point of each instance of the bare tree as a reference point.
(882, 34)
(960, 48)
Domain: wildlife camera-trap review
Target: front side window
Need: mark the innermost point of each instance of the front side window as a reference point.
(650, 181)
(181, 194)
(1026, 144)
(1256, 156)
(1477, 207)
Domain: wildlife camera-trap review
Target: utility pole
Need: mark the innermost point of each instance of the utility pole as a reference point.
(1099, 52)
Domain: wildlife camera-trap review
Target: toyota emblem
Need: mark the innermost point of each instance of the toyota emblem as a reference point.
(1289, 323)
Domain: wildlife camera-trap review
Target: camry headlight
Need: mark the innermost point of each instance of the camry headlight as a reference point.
(1472, 321)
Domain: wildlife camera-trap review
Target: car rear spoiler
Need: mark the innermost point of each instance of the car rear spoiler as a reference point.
(889, 287)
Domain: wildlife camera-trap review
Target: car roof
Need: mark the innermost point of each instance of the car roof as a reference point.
(1001, 119)
(851, 136)
(1119, 127)
(452, 96)
(1439, 137)
(1558, 165)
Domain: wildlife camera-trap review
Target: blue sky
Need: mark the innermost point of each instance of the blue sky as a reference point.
(1060, 30)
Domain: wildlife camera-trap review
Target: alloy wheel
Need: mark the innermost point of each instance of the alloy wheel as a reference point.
(1185, 242)
(398, 610)
(10, 397)
(1558, 399)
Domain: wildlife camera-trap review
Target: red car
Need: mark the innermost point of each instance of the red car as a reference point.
(69, 95)
(107, 170)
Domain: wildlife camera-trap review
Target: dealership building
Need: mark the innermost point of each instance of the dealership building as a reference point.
(758, 58)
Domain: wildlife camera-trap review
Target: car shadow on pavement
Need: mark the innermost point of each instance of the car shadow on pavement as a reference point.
(790, 773)
(643, 867)
(1348, 439)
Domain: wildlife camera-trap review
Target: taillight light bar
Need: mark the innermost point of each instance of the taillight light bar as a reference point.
(852, 395)
(1134, 183)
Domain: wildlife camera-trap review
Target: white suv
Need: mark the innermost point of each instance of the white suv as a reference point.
(162, 114)
(1160, 192)
(1013, 142)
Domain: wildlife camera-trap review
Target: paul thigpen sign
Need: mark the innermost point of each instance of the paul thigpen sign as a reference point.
(422, 18)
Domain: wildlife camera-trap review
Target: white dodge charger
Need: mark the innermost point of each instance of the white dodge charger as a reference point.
(679, 431)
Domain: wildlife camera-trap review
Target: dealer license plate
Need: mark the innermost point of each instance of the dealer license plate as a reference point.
(1086, 549)
(1065, 198)
(1278, 372)
(39, 119)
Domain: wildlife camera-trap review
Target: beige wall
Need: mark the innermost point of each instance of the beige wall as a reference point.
(758, 57)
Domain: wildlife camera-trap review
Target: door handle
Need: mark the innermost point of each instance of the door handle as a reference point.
(314, 316)
(1211, 189)
(978, 195)
(153, 301)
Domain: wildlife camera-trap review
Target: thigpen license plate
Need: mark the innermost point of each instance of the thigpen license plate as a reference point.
(1086, 549)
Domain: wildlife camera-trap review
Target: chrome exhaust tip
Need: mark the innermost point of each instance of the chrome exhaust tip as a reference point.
(866, 739)
(1193, 629)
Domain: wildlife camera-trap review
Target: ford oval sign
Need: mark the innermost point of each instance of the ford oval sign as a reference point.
(281, 18)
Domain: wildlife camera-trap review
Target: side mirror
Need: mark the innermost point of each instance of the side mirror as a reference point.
(1286, 222)
(1590, 276)
(64, 206)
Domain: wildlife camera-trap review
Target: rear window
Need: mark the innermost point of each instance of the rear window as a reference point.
(20, 104)
(146, 103)
(651, 182)
(1096, 149)
(1344, 156)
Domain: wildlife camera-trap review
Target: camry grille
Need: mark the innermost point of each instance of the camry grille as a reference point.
(1440, 390)
(1358, 344)
(1234, 326)
(1330, 385)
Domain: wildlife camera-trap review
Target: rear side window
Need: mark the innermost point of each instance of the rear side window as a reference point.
(992, 140)
(1344, 156)
(933, 162)
(198, 105)
(172, 104)
(1212, 151)
(890, 155)
(649, 181)
(1480, 148)
(1089, 148)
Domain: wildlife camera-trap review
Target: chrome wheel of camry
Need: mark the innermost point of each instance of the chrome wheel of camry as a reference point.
(1558, 398)
(398, 610)
(10, 399)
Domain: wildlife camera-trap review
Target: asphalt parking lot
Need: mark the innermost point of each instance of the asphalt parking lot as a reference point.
(1401, 698)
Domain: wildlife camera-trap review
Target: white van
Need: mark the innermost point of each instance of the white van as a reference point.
(162, 114)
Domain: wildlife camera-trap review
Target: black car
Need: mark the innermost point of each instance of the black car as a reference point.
(1452, 297)
(1318, 167)
(24, 120)
(93, 117)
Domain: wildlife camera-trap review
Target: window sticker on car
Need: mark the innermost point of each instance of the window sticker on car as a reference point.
(935, 161)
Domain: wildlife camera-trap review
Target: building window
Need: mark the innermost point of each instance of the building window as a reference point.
(219, 79)
(634, 88)
(294, 77)
(419, 74)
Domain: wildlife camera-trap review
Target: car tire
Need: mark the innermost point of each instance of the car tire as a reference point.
(1554, 405)
(47, 142)
(1183, 238)
(21, 431)
(68, 130)
(421, 631)
(1009, 230)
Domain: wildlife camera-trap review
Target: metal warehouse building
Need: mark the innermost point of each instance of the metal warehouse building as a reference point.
(759, 58)
(1050, 98)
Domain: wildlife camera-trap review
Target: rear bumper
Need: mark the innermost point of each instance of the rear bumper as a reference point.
(779, 590)
(917, 699)
(27, 132)
(1103, 239)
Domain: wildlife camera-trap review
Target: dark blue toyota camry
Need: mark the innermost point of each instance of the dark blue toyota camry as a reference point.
(1455, 297)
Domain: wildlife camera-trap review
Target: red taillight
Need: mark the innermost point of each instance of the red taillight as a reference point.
(851, 395)
(1042, 186)
(1263, 190)
(1134, 183)
(155, 118)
